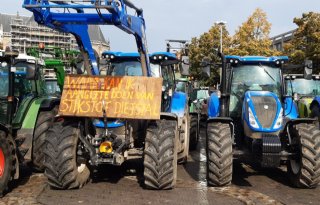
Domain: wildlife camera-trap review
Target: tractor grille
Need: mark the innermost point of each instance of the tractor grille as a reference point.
(266, 110)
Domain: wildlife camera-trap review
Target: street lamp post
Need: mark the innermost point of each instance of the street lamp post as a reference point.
(221, 24)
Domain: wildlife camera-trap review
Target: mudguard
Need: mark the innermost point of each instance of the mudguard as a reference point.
(213, 106)
(179, 104)
(248, 105)
(171, 116)
(291, 108)
(49, 103)
(220, 119)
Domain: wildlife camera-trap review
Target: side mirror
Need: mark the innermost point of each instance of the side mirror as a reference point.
(206, 69)
(295, 96)
(308, 69)
(31, 72)
(185, 66)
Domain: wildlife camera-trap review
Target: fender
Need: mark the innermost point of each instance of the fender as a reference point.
(171, 116)
(291, 108)
(22, 111)
(49, 103)
(300, 120)
(292, 122)
(220, 119)
(223, 120)
(179, 104)
(213, 106)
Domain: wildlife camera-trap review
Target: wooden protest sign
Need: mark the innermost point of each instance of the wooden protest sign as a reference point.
(123, 97)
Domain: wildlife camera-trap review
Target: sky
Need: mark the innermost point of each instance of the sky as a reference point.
(184, 19)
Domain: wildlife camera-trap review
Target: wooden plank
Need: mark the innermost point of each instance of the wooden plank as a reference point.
(123, 97)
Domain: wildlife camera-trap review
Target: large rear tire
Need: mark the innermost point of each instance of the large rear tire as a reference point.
(61, 166)
(194, 132)
(44, 122)
(219, 154)
(304, 171)
(7, 160)
(160, 155)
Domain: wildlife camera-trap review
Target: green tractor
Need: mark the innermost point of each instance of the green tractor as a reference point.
(26, 113)
(305, 91)
(57, 64)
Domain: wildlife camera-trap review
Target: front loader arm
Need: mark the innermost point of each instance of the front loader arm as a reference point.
(76, 15)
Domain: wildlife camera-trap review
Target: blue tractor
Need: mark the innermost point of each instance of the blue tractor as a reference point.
(74, 146)
(252, 115)
(174, 103)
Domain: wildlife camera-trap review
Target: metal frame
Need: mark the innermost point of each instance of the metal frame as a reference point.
(87, 12)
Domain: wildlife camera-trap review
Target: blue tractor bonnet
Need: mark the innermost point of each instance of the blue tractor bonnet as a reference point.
(252, 115)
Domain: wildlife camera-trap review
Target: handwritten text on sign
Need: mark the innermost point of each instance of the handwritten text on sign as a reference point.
(123, 97)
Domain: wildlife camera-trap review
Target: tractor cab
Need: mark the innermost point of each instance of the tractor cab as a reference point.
(19, 80)
(304, 91)
(183, 85)
(29, 72)
(161, 65)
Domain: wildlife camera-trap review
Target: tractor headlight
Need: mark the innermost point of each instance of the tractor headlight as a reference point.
(252, 120)
(279, 120)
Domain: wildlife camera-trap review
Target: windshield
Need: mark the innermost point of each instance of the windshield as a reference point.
(303, 87)
(252, 78)
(181, 86)
(199, 94)
(128, 68)
(52, 87)
(132, 68)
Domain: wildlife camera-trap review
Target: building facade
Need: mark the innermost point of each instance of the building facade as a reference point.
(279, 40)
(22, 32)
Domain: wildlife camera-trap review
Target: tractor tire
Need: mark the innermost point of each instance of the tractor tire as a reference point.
(304, 172)
(160, 155)
(184, 144)
(44, 122)
(7, 162)
(194, 132)
(61, 166)
(219, 154)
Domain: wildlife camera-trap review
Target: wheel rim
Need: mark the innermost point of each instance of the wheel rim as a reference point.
(2, 163)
